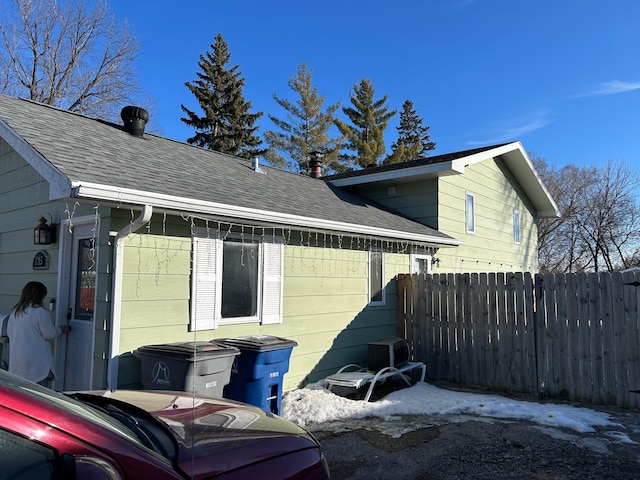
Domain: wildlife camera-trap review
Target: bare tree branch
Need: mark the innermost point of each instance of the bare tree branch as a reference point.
(68, 53)
(599, 228)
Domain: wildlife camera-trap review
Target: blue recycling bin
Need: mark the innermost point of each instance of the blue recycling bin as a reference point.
(257, 373)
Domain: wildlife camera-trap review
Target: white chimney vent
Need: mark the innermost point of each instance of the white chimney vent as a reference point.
(255, 166)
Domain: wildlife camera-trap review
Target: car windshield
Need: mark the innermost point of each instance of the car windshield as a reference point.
(70, 405)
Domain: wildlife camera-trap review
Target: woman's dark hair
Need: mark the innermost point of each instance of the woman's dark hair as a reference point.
(33, 294)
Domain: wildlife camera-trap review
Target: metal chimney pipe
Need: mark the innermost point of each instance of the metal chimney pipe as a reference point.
(316, 168)
(315, 165)
(135, 119)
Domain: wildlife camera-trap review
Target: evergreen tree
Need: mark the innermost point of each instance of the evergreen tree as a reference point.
(413, 137)
(227, 126)
(369, 120)
(306, 130)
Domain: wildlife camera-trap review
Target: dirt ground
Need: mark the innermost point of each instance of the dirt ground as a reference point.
(473, 448)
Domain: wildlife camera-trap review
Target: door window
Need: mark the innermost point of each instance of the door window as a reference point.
(85, 280)
(420, 263)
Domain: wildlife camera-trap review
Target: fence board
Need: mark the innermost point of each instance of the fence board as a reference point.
(508, 328)
(462, 326)
(429, 330)
(595, 341)
(531, 383)
(620, 387)
(481, 347)
(540, 325)
(437, 329)
(583, 388)
(472, 312)
(573, 333)
(418, 305)
(449, 330)
(606, 321)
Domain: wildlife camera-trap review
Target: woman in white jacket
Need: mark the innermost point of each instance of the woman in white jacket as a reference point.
(30, 332)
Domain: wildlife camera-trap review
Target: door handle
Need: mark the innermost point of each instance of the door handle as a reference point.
(69, 313)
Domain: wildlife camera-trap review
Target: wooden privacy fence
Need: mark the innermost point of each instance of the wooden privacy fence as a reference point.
(575, 336)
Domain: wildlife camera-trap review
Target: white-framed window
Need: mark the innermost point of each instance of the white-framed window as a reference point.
(235, 279)
(421, 263)
(516, 226)
(376, 277)
(470, 213)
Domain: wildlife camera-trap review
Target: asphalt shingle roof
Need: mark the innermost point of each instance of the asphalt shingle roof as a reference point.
(90, 150)
(418, 162)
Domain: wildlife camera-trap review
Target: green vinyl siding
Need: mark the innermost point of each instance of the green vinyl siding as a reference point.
(440, 203)
(23, 199)
(491, 247)
(325, 307)
(416, 200)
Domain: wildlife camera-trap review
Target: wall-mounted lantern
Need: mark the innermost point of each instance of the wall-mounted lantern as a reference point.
(44, 234)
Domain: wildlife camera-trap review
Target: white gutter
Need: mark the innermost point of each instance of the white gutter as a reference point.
(116, 294)
(119, 196)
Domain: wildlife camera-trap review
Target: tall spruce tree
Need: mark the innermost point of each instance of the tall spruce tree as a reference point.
(369, 120)
(413, 137)
(227, 126)
(307, 128)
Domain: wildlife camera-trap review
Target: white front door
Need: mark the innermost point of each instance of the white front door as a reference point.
(79, 306)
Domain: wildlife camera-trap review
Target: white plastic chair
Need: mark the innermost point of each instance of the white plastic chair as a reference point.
(360, 377)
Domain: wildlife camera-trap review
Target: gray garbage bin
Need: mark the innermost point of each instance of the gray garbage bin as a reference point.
(200, 367)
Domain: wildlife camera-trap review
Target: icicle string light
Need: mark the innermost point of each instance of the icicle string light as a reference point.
(313, 238)
(339, 265)
(71, 214)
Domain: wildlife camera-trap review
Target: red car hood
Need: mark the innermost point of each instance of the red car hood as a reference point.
(218, 435)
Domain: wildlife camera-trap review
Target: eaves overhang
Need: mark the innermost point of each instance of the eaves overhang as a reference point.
(225, 212)
(401, 175)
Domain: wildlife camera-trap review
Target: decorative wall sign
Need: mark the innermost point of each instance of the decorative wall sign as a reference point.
(41, 260)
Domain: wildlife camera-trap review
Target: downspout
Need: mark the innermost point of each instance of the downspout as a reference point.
(116, 302)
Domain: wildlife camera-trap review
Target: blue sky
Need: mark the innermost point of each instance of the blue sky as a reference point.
(562, 77)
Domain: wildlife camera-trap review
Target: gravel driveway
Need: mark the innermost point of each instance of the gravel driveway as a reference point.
(466, 447)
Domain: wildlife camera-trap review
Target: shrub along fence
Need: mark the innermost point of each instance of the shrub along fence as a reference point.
(572, 336)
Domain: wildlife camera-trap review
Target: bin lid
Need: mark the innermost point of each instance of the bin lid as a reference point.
(192, 350)
(258, 342)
